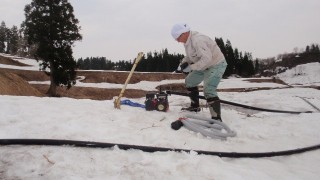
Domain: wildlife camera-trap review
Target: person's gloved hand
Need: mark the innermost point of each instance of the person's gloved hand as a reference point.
(184, 65)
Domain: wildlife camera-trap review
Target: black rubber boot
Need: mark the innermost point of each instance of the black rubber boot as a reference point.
(194, 97)
(215, 108)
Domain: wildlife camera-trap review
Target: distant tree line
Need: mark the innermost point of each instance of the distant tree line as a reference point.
(14, 41)
(313, 48)
(10, 39)
(161, 61)
(95, 63)
(309, 49)
(275, 65)
(151, 62)
(238, 63)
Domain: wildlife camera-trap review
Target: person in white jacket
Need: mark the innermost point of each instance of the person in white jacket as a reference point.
(206, 62)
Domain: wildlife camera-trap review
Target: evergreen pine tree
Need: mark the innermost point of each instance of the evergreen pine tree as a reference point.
(313, 48)
(13, 40)
(307, 49)
(230, 57)
(142, 65)
(86, 64)
(256, 67)
(3, 37)
(166, 60)
(150, 62)
(236, 60)
(22, 43)
(317, 50)
(247, 68)
(52, 26)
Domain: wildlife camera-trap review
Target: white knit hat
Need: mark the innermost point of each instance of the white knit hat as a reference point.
(178, 29)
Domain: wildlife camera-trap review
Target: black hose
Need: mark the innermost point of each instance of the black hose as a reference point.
(242, 105)
(150, 149)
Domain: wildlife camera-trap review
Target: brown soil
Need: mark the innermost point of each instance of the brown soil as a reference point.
(14, 82)
(273, 80)
(29, 75)
(120, 77)
(91, 93)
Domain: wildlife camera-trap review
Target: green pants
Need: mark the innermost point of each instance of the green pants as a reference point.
(211, 78)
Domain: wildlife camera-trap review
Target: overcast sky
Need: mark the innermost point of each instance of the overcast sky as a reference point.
(119, 29)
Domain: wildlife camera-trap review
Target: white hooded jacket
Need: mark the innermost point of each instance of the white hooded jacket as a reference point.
(202, 52)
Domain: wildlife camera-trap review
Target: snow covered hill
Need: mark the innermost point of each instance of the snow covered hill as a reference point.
(305, 74)
(89, 120)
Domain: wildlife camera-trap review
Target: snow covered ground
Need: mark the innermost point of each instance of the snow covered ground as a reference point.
(90, 120)
(33, 64)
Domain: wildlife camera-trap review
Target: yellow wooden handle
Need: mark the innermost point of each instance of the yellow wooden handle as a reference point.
(118, 99)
